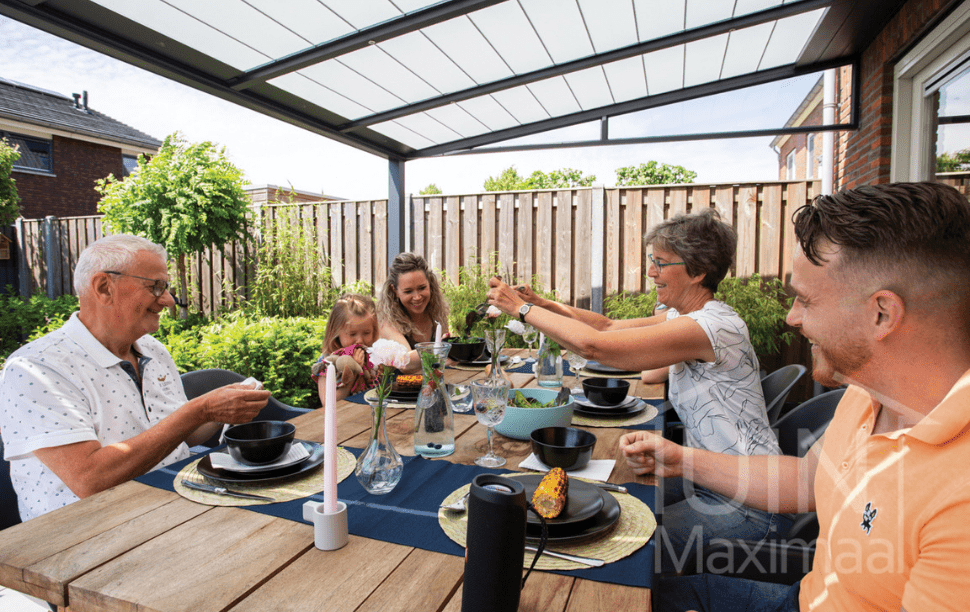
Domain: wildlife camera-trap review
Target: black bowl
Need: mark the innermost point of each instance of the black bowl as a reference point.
(260, 442)
(563, 447)
(466, 348)
(606, 391)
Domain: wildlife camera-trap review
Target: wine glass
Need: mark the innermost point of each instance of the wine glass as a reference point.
(490, 397)
(529, 337)
(576, 363)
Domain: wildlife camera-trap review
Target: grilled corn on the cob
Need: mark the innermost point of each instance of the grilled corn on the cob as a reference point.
(549, 498)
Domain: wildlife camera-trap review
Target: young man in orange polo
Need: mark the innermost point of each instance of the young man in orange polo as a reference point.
(882, 291)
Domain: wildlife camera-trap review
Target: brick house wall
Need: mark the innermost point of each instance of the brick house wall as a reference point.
(70, 190)
(866, 157)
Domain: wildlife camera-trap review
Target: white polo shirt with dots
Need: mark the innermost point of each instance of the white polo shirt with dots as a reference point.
(66, 387)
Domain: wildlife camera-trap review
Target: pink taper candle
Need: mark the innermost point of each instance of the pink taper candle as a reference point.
(437, 335)
(330, 444)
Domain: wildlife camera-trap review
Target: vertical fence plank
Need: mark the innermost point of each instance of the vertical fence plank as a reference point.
(724, 203)
(747, 230)
(678, 201)
(452, 237)
(506, 234)
(435, 239)
(797, 195)
(487, 228)
(419, 225)
(583, 255)
(770, 228)
(700, 199)
(337, 244)
(524, 231)
(544, 241)
(469, 238)
(564, 244)
(351, 243)
(632, 240)
(612, 242)
(380, 244)
(366, 258)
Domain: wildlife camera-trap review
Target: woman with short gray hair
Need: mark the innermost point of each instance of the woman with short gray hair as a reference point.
(701, 347)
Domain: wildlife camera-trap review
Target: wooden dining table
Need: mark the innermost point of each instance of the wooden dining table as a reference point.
(138, 547)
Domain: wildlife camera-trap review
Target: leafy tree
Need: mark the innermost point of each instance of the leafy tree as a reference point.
(509, 180)
(652, 173)
(9, 199)
(431, 189)
(186, 198)
(563, 178)
(953, 162)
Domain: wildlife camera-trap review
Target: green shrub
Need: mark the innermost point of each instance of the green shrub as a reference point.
(23, 319)
(630, 304)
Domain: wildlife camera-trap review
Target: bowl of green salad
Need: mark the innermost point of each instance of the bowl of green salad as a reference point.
(531, 409)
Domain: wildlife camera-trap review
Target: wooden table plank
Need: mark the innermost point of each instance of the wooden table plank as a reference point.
(543, 592)
(589, 595)
(328, 580)
(422, 582)
(204, 565)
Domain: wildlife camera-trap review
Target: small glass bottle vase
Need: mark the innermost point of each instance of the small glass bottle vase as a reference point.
(434, 419)
(548, 368)
(494, 341)
(379, 467)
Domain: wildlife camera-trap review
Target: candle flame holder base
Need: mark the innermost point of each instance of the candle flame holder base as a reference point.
(329, 530)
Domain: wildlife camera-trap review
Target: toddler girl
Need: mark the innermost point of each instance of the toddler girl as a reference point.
(351, 328)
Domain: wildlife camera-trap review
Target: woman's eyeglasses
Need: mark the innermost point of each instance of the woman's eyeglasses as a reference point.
(661, 266)
(158, 287)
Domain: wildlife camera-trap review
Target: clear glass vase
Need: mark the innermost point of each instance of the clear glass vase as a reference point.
(434, 419)
(379, 467)
(494, 341)
(548, 368)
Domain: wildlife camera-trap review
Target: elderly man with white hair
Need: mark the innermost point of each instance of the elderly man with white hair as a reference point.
(99, 401)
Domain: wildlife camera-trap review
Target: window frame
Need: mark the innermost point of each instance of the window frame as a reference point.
(28, 140)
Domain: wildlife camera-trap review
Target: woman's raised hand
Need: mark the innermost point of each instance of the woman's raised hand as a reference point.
(504, 297)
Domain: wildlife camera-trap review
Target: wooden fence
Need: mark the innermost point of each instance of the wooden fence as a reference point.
(584, 243)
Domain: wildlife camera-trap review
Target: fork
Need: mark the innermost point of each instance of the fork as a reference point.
(457, 506)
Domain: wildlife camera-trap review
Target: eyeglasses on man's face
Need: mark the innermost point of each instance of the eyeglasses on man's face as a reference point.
(158, 288)
(661, 266)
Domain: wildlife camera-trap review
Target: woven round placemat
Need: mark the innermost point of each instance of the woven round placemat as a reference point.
(638, 419)
(637, 523)
(371, 398)
(279, 490)
(592, 374)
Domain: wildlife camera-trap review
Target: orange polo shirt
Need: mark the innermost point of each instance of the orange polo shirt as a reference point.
(894, 511)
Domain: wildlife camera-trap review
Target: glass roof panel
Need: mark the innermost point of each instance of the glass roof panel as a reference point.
(665, 70)
(308, 18)
(626, 78)
(189, 31)
(422, 57)
(376, 65)
(561, 28)
(745, 7)
(354, 86)
(522, 103)
(487, 110)
(583, 131)
(510, 32)
(463, 43)
(704, 12)
(456, 118)
(703, 60)
(398, 132)
(789, 38)
(427, 126)
(324, 97)
(409, 6)
(658, 18)
(555, 96)
(363, 14)
(611, 23)
(744, 50)
(590, 87)
(245, 24)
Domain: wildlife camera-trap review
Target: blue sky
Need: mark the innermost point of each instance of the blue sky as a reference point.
(273, 152)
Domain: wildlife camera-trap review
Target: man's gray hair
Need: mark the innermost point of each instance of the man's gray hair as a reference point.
(114, 252)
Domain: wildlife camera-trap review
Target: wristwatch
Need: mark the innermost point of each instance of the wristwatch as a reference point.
(524, 310)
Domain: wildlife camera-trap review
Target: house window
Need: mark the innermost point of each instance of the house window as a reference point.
(35, 153)
(790, 166)
(810, 158)
(130, 162)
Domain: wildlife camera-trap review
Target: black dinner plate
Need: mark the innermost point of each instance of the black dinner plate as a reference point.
(595, 366)
(484, 362)
(623, 406)
(636, 408)
(602, 520)
(404, 395)
(313, 461)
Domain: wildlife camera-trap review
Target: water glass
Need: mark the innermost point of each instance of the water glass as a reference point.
(490, 397)
(461, 397)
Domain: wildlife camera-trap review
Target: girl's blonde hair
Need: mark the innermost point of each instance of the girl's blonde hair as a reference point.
(391, 309)
(347, 306)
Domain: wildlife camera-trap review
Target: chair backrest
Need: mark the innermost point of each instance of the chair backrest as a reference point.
(776, 387)
(9, 513)
(200, 382)
(806, 423)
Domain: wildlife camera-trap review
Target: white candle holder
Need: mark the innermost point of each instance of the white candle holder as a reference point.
(329, 530)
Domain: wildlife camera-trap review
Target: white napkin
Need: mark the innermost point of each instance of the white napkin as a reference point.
(224, 461)
(596, 469)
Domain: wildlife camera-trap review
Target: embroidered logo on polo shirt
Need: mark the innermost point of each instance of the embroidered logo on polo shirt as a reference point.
(867, 516)
(162, 378)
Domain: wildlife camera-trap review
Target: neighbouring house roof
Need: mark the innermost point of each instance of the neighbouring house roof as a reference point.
(53, 111)
(812, 99)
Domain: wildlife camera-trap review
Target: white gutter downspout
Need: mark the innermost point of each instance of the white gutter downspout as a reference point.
(828, 138)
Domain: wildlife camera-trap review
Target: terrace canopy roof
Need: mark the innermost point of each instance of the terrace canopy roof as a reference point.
(405, 79)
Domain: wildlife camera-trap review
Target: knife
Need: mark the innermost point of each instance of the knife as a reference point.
(583, 560)
(609, 486)
(223, 491)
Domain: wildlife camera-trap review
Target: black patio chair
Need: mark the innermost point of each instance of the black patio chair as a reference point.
(789, 557)
(9, 514)
(776, 387)
(200, 382)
